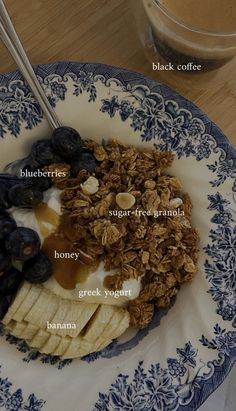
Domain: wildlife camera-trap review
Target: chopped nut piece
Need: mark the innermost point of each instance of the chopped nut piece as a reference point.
(90, 186)
(176, 202)
(125, 200)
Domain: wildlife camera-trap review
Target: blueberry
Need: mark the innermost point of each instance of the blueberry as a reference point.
(4, 304)
(10, 281)
(23, 195)
(7, 225)
(9, 180)
(5, 260)
(42, 153)
(42, 183)
(37, 269)
(22, 243)
(4, 199)
(84, 161)
(66, 142)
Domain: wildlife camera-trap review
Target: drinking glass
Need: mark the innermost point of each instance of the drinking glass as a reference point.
(180, 51)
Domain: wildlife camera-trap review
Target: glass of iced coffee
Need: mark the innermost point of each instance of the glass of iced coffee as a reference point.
(189, 38)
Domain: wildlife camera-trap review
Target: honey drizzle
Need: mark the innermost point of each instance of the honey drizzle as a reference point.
(66, 271)
(46, 215)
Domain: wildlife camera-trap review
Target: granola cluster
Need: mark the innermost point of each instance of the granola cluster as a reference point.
(162, 251)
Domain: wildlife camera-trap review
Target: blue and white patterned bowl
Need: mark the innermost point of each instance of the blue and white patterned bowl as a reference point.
(188, 351)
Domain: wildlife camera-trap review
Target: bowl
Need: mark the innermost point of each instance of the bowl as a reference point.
(188, 350)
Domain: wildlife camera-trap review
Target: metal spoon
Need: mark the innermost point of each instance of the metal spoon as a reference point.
(12, 42)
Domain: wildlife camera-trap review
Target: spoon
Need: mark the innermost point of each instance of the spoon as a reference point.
(12, 42)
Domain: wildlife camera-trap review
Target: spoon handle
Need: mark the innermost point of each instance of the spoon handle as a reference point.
(12, 42)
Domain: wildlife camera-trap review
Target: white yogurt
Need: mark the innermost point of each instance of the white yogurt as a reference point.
(26, 217)
(94, 283)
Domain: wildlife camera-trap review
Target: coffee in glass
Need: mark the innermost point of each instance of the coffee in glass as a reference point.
(201, 32)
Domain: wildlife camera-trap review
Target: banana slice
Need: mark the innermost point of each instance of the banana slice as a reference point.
(78, 348)
(39, 339)
(43, 310)
(22, 329)
(122, 326)
(29, 331)
(28, 302)
(102, 343)
(18, 300)
(61, 313)
(72, 349)
(63, 346)
(16, 328)
(98, 322)
(51, 344)
(80, 314)
(76, 313)
(113, 324)
(116, 326)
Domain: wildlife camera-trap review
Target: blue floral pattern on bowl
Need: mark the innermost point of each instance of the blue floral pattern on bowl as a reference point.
(221, 272)
(14, 401)
(171, 388)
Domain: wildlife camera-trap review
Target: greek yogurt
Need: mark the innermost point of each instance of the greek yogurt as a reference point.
(92, 289)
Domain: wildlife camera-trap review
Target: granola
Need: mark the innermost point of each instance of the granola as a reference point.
(162, 250)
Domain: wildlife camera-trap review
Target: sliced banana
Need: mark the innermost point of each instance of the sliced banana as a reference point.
(27, 303)
(79, 315)
(18, 300)
(63, 346)
(29, 331)
(112, 324)
(98, 322)
(16, 328)
(102, 343)
(122, 326)
(39, 339)
(73, 348)
(95, 325)
(51, 344)
(74, 314)
(78, 348)
(43, 310)
(61, 313)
